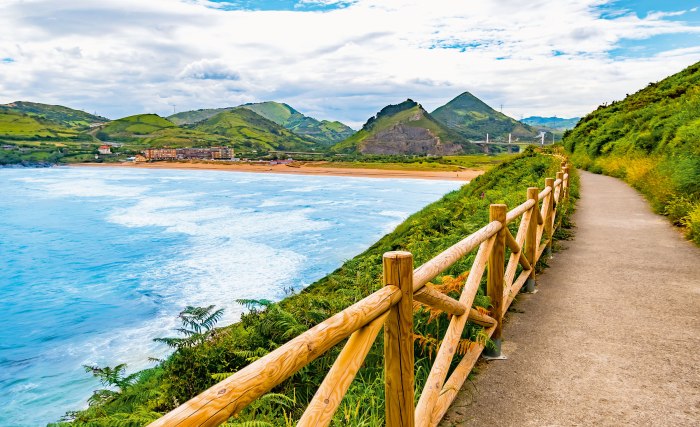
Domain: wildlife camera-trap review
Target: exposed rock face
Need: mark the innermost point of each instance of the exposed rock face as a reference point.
(402, 139)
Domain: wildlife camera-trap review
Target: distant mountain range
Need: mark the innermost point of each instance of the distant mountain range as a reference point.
(404, 128)
(551, 123)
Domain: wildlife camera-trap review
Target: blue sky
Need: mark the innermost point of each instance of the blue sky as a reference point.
(340, 60)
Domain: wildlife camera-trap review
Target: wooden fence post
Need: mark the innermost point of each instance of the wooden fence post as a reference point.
(531, 243)
(565, 184)
(548, 225)
(494, 284)
(398, 342)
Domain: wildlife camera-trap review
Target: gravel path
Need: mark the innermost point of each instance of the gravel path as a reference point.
(613, 335)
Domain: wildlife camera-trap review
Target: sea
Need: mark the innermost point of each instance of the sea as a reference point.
(96, 262)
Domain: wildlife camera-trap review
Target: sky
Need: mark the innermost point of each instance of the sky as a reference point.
(340, 60)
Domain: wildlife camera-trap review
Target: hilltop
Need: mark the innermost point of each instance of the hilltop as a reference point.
(551, 123)
(249, 130)
(56, 114)
(404, 128)
(473, 119)
(650, 139)
(323, 132)
(133, 128)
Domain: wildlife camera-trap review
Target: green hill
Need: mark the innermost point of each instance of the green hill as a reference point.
(19, 126)
(323, 132)
(133, 128)
(58, 114)
(551, 123)
(196, 116)
(473, 119)
(652, 140)
(404, 128)
(249, 130)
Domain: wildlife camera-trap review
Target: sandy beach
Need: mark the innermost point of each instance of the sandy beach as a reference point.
(461, 175)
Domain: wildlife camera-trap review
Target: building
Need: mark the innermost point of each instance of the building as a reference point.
(104, 149)
(213, 153)
(160, 154)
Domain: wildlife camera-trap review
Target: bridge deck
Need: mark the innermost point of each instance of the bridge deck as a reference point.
(613, 335)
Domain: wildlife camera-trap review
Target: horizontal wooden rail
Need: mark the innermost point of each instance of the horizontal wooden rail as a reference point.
(391, 308)
(449, 256)
(215, 405)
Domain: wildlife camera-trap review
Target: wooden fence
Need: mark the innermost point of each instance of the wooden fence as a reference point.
(391, 307)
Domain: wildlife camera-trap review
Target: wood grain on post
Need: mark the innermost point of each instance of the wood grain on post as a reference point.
(398, 342)
(331, 392)
(549, 216)
(215, 405)
(557, 188)
(519, 257)
(566, 183)
(448, 347)
(494, 284)
(531, 242)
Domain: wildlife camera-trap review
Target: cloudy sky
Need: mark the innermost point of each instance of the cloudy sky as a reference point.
(336, 59)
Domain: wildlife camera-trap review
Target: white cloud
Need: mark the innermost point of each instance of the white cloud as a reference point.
(123, 57)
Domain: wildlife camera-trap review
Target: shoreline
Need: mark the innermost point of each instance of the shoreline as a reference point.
(465, 175)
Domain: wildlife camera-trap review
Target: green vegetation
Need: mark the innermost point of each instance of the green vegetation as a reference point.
(19, 126)
(651, 140)
(57, 114)
(133, 128)
(473, 119)
(249, 131)
(322, 132)
(404, 128)
(193, 368)
(416, 163)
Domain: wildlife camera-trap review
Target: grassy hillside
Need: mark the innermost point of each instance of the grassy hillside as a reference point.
(58, 114)
(19, 126)
(133, 128)
(195, 116)
(651, 139)
(192, 368)
(322, 132)
(473, 119)
(249, 131)
(404, 128)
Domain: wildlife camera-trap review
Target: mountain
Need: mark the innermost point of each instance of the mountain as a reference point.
(132, 128)
(247, 129)
(551, 123)
(404, 128)
(196, 116)
(64, 116)
(17, 126)
(473, 119)
(323, 132)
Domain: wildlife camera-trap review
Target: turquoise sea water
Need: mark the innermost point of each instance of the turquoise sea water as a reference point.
(95, 263)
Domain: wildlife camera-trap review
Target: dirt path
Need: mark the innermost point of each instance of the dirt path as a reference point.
(613, 335)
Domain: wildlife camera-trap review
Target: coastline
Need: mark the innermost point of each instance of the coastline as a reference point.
(465, 175)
